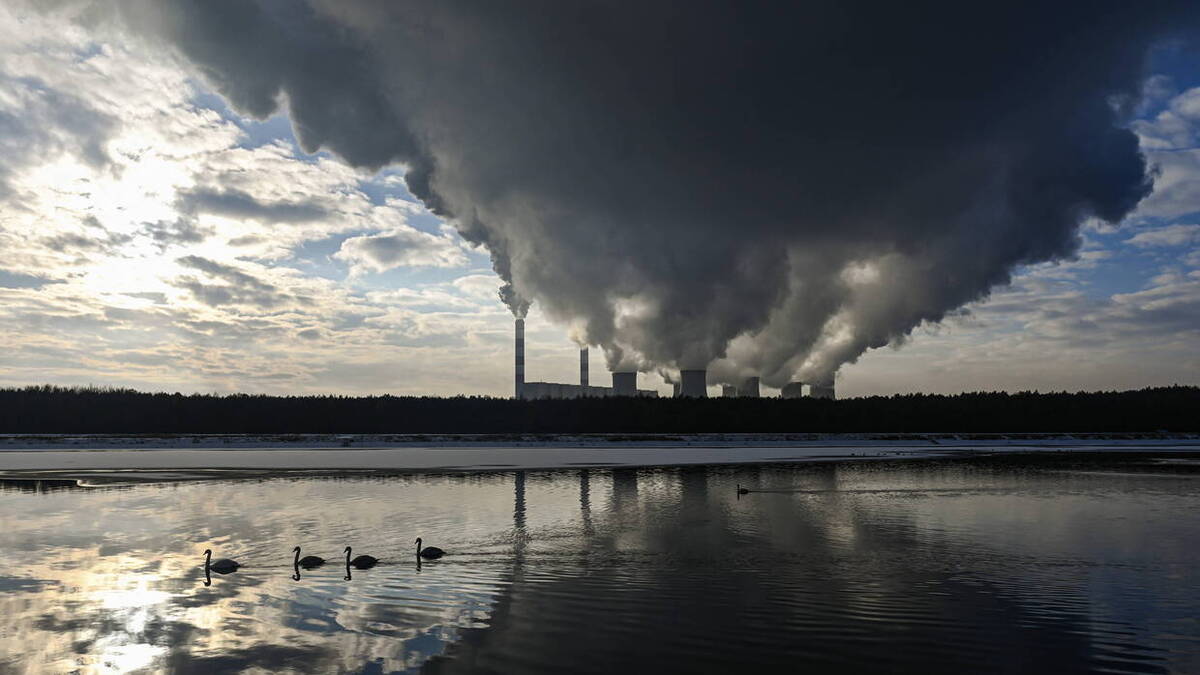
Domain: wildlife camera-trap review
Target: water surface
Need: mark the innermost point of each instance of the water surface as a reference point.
(902, 566)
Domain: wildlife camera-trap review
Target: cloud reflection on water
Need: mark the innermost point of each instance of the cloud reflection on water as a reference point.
(887, 566)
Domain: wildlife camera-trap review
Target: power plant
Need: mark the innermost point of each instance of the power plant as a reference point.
(624, 383)
(692, 383)
(795, 390)
(821, 390)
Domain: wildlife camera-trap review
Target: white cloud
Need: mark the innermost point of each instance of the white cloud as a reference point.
(479, 286)
(400, 248)
(1175, 126)
(1170, 235)
(1176, 187)
(154, 247)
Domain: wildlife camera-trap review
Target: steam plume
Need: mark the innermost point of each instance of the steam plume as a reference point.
(764, 188)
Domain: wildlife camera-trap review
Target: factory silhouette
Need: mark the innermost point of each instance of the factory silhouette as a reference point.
(690, 383)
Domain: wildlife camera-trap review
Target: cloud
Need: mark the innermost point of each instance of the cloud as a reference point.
(37, 121)
(73, 241)
(238, 204)
(1175, 126)
(1169, 235)
(179, 231)
(1049, 335)
(18, 280)
(654, 202)
(400, 248)
(477, 286)
(240, 288)
(669, 185)
(184, 259)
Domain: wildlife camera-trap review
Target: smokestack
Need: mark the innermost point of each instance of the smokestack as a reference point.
(583, 367)
(520, 358)
(625, 384)
(693, 383)
(749, 388)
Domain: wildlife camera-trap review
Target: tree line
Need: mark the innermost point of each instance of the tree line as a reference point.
(50, 409)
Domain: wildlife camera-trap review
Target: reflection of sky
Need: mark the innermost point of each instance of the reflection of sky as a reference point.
(844, 566)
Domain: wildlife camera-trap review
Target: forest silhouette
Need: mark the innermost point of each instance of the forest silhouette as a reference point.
(51, 409)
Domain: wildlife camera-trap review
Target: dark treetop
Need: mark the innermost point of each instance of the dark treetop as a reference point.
(92, 410)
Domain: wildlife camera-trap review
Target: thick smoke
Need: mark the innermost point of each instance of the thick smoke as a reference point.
(763, 188)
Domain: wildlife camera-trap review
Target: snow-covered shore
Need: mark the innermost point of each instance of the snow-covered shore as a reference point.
(185, 456)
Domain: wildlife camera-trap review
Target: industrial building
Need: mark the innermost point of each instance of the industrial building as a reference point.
(795, 390)
(692, 383)
(747, 389)
(822, 390)
(624, 383)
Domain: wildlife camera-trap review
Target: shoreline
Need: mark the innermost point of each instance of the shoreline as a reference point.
(150, 458)
(94, 442)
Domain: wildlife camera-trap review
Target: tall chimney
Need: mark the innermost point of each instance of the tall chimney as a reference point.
(693, 383)
(520, 358)
(583, 367)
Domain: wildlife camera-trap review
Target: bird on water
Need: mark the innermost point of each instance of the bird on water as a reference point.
(429, 552)
(222, 566)
(307, 562)
(362, 562)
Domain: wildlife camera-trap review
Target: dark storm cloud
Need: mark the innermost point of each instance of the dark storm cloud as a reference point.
(817, 179)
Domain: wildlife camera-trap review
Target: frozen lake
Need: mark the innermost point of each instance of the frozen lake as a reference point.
(162, 457)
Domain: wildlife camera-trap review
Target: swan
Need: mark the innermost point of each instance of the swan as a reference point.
(222, 566)
(362, 562)
(429, 552)
(307, 562)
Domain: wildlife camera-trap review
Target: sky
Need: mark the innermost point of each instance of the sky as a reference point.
(158, 233)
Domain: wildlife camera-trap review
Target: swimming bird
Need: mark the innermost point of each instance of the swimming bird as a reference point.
(307, 562)
(362, 562)
(222, 566)
(429, 552)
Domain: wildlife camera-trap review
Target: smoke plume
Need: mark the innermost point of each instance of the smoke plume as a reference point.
(759, 187)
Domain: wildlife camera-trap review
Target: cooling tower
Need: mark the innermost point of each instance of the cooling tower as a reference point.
(728, 391)
(749, 388)
(693, 383)
(824, 390)
(583, 367)
(625, 384)
(520, 358)
(792, 390)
